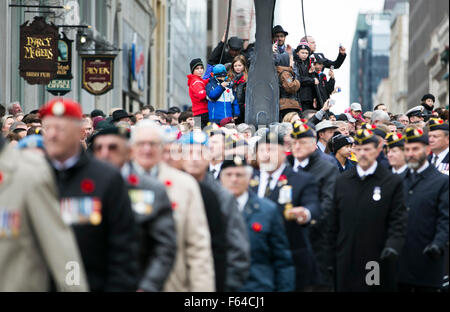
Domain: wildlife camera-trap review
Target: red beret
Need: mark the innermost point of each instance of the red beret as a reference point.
(226, 121)
(62, 107)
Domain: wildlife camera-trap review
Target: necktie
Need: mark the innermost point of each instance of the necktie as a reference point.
(434, 161)
(267, 192)
(214, 172)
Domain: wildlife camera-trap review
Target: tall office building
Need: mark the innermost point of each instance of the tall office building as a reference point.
(428, 51)
(369, 57)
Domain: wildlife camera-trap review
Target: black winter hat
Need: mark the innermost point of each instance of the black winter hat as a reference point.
(339, 141)
(97, 112)
(303, 46)
(278, 29)
(235, 43)
(428, 96)
(194, 63)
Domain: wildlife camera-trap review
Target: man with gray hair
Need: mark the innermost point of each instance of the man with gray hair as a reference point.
(379, 116)
(14, 109)
(193, 269)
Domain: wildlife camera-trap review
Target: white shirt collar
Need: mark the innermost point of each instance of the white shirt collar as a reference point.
(216, 168)
(440, 156)
(321, 146)
(68, 163)
(401, 170)
(302, 163)
(368, 172)
(423, 168)
(242, 201)
(264, 177)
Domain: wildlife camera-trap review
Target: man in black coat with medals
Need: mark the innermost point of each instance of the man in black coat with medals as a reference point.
(422, 259)
(296, 195)
(151, 205)
(94, 200)
(308, 158)
(367, 222)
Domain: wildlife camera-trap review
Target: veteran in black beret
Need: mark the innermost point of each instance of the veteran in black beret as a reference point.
(367, 221)
(426, 195)
(271, 267)
(396, 155)
(306, 157)
(297, 197)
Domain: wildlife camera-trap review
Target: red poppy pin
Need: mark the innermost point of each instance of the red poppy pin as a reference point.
(257, 227)
(168, 183)
(87, 186)
(282, 178)
(174, 206)
(1, 177)
(133, 179)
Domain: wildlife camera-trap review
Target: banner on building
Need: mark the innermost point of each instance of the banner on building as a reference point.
(98, 73)
(62, 83)
(38, 51)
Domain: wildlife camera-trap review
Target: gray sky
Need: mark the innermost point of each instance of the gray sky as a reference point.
(330, 22)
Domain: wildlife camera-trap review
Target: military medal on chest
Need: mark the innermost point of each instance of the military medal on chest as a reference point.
(376, 193)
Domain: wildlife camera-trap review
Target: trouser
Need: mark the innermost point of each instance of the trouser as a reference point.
(204, 119)
(307, 105)
(241, 118)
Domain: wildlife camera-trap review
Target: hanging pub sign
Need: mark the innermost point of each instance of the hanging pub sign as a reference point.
(98, 73)
(38, 51)
(62, 83)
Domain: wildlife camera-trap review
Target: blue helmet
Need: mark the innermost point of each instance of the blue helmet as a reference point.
(192, 138)
(219, 70)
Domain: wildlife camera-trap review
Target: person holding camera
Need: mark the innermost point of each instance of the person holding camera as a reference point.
(304, 73)
(221, 102)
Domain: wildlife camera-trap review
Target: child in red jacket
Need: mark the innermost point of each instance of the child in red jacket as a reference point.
(197, 91)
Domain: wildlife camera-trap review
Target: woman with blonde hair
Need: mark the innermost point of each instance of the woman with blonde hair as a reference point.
(238, 74)
(291, 117)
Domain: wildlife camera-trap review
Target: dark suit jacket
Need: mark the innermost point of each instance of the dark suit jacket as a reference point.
(271, 266)
(304, 193)
(362, 225)
(427, 205)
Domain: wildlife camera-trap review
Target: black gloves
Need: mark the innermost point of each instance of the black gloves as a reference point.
(433, 251)
(388, 254)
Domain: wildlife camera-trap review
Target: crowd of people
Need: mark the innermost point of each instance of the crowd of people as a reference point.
(200, 201)
(218, 92)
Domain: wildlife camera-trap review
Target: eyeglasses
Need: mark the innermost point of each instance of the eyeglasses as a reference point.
(141, 144)
(111, 147)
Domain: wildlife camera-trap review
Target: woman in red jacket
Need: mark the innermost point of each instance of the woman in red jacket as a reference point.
(197, 91)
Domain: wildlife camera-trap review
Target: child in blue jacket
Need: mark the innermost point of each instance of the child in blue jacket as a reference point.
(221, 102)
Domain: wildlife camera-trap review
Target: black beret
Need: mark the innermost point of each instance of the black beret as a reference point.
(437, 124)
(237, 161)
(395, 140)
(364, 136)
(414, 135)
(113, 130)
(271, 137)
(301, 130)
